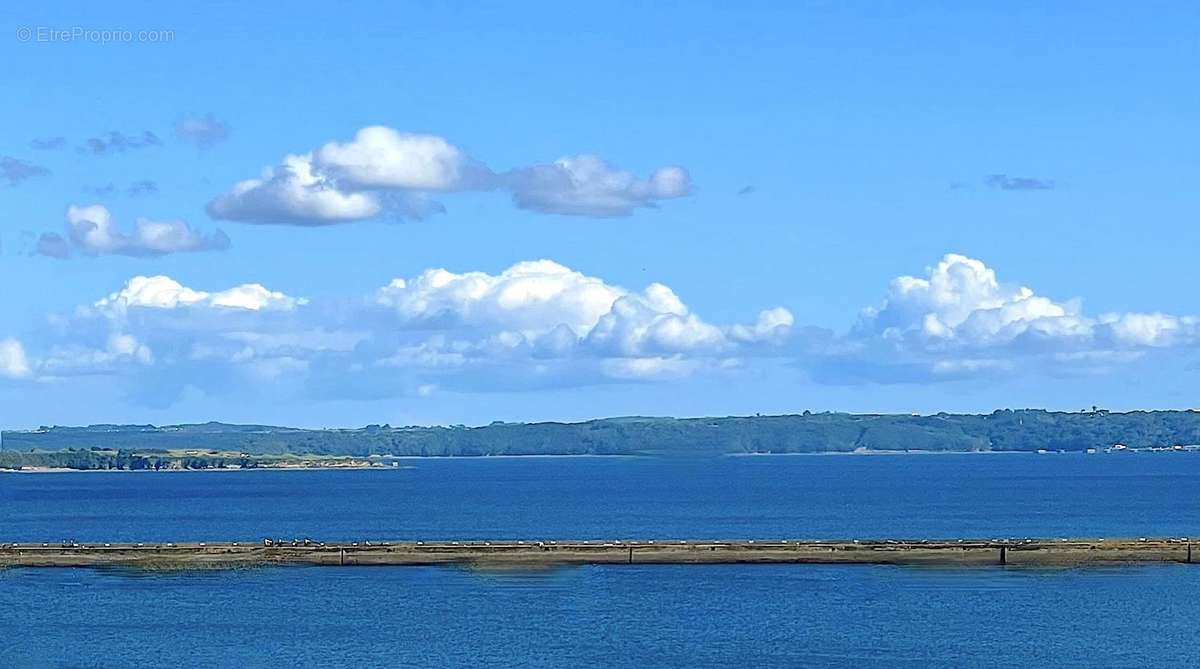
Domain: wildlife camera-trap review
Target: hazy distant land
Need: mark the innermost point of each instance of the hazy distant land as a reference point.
(223, 446)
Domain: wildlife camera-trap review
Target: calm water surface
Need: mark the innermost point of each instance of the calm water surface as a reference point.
(521, 498)
(621, 616)
(652, 616)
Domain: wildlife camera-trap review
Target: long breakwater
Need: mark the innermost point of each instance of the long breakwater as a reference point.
(946, 552)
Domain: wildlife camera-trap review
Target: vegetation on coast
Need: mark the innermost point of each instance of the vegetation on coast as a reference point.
(101, 459)
(223, 446)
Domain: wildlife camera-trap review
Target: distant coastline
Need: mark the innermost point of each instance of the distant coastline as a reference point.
(221, 446)
(398, 463)
(76, 470)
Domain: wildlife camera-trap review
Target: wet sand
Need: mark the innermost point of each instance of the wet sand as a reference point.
(516, 554)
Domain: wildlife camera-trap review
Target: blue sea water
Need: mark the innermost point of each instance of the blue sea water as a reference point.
(918, 496)
(653, 616)
(619, 616)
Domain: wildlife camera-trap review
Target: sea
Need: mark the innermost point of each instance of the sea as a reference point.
(615, 615)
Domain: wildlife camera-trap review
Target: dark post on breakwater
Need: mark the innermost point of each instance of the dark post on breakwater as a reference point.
(945, 552)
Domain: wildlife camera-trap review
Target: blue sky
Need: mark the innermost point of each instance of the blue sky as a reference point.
(730, 198)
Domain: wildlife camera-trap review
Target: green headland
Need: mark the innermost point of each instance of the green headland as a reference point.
(224, 446)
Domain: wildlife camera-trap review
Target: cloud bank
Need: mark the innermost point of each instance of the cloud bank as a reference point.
(540, 324)
(535, 324)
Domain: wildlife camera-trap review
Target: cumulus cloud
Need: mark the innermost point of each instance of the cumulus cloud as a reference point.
(552, 311)
(159, 333)
(772, 325)
(118, 142)
(13, 362)
(960, 320)
(585, 185)
(531, 297)
(654, 322)
(203, 131)
(91, 231)
(380, 157)
(163, 292)
(384, 171)
(15, 171)
(961, 301)
(293, 193)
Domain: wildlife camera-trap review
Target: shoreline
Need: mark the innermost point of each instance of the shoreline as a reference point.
(866, 452)
(1061, 552)
(69, 470)
(408, 459)
(269, 468)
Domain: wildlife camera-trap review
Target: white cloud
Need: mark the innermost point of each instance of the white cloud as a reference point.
(1156, 329)
(432, 353)
(163, 292)
(292, 193)
(556, 310)
(380, 157)
(772, 325)
(586, 185)
(531, 297)
(960, 301)
(268, 370)
(91, 231)
(123, 345)
(960, 320)
(254, 297)
(384, 171)
(539, 324)
(654, 322)
(535, 324)
(117, 350)
(652, 368)
(317, 339)
(963, 366)
(13, 362)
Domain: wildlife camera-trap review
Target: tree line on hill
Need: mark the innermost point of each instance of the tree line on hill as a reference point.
(149, 447)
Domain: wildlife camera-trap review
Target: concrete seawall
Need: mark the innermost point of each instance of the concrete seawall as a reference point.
(965, 552)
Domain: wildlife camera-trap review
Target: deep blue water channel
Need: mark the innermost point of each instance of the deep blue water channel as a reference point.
(649, 616)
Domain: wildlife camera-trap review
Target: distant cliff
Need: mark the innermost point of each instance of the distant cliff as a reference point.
(115, 446)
